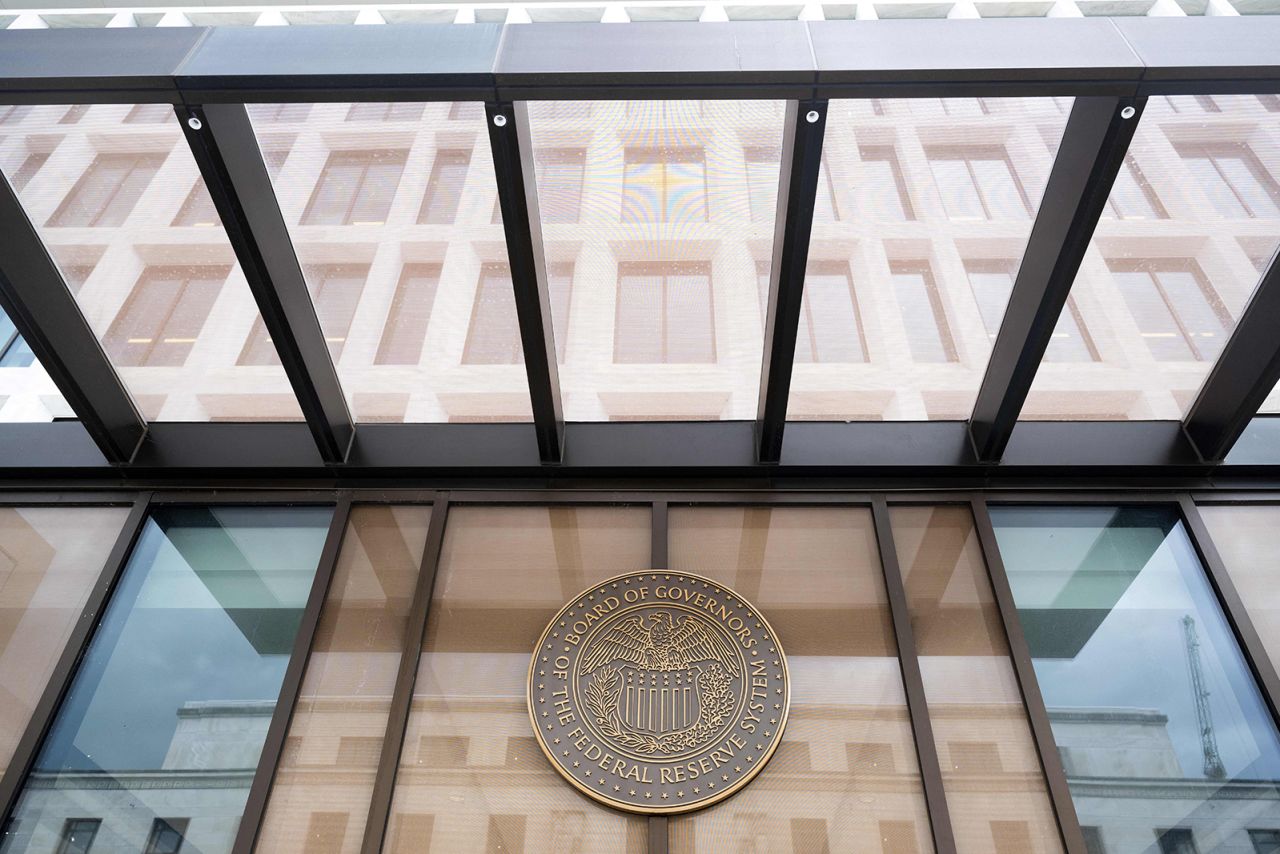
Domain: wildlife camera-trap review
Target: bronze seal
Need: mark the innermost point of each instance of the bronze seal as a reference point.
(658, 692)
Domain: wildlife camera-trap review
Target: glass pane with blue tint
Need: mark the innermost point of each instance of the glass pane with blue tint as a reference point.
(1162, 731)
(166, 717)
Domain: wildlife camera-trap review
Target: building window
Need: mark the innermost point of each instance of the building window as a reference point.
(167, 836)
(466, 110)
(406, 328)
(355, 188)
(561, 172)
(280, 112)
(1265, 841)
(326, 832)
(73, 114)
(992, 284)
(923, 316)
(1271, 103)
(14, 352)
(664, 314)
(384, 111)
(1011, 837)
(274, 159)
(359, 751)
(444, 187)
(150, 114)
(14, 113)
(506, 833)
(974, 757)
(870, 757)
(665, 185)
(164, 316)
(898, 837)
(885, 187)
(810, 835)
(107, 192)
(830, 327)
(1234, 179)
(28, 170)
(335, 291)
(978, 183)
(198, 209)
(763, 163)
(560, 288)
(1175, 309)
(78, 835)
(494, 335)
(1177, 840)
(443, 751)
(1131, 195)
(1093, 839)
(825, 208)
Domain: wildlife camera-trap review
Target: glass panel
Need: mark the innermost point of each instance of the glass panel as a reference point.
(1245, 537)
(1164, 737)
(927, 193)
(49, 559)
(1172, 263)
(168, 711)
(26, 392)
(393, 213)
(121, 206)
(845, 777)
(990, 770)
(471, 775)
(663, 208)
(325, 776)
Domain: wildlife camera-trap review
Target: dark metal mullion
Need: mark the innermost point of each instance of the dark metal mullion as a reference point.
(801, 165)
(1244, 373)
(1091, 153)
(45, 313)
(226, 149)
(384, 782)
(513, 163)
(935, 795)
(1041, 729)
(255, 807)
(28, 747)
(659, 829)
(1255, 651)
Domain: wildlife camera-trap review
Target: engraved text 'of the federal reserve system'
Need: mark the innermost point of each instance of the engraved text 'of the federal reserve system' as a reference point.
(659, 692)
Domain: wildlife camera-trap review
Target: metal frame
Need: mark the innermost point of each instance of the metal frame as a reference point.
(210, 73)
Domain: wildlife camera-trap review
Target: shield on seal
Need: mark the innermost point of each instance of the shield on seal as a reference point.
(659, 702)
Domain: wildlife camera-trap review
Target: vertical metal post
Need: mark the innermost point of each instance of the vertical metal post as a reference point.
(659, 826)
(256, 805)
(518, 198)
(1255, 651)
(1041, 730)
(28, 747)
(935, 795)
(384, 783)
(804, 127)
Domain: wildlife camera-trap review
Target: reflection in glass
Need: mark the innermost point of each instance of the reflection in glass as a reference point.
(663, 208)
(923, 191)
(1245, 537)
(325, 775)
(1162, 732)
(845, 777)
(1171, 265)
(470, 771)
(995, 788)
(49, 559)
(120, 204)
(392, 212)
(166, 716)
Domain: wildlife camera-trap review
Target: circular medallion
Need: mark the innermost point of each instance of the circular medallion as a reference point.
(658, 692)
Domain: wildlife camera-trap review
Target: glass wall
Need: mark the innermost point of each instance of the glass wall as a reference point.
(159, 735)
(323, 784)
(49, 560)
(471, 776)
(995, 787)
(1245, 537)
(1164, 737)
(845, 777)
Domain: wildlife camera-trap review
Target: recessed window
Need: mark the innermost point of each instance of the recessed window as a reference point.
(14, 113)
(1176, 311)
(974, 757)
(830, 327)
(825, 207)
(1233, 178)
(1011, 837)
(992, 283)
(326, 832)
(466, 111)
(406, 328)
(150, 114)
(73, 114)
(78, 835)
(870, 757)
(335, 291)
(356, 188)
(978, 183)
(280, 112)
(108, 191)
(561, 172)
(1265, 841)
(163, 317)
(762, 163)
(1177, 840)
(883, 185)
(167, 836)
(494, 335)
(665, 185)
(923, 316)
(28, 170)
(664, 314)
(443, 751)
(1131, 195)
(198, 209)
(444, 187)
(1271, 103)
(385, 111)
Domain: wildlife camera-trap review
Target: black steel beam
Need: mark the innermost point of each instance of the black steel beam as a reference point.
(1092, 151)
(518, 197)
(226, 149)
(34, 294)
(805, 124)
(1244, 374)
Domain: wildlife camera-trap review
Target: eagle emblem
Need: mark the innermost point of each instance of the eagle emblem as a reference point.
(662, 646)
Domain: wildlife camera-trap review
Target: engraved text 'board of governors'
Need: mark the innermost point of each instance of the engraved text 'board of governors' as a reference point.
(658, 692)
